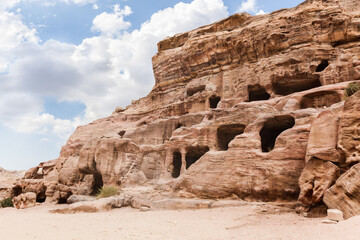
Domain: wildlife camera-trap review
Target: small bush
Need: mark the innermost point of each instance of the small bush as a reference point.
(107, 191)
(7, 202)
(352, 88)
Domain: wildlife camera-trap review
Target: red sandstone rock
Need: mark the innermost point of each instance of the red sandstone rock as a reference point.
(344, 195)
(230, 112)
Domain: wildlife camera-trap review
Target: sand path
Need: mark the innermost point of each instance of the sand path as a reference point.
(245, 222)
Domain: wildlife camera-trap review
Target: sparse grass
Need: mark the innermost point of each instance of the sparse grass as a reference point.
(107, 191)
(7, 202)
(352, 88)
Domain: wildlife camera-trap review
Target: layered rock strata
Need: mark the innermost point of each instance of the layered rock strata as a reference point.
(230, 113)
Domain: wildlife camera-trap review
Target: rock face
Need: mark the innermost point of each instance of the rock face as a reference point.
(345, 193)
(230, 112)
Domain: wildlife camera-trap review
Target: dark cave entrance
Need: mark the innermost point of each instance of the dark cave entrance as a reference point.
(16, 191)
(97, 184)
(41, 196)
(193, 154)
(226, 133)
(176, 164)
(272, 129)
(214, 101)
(257, 93)
(322, 66)
(287, 84)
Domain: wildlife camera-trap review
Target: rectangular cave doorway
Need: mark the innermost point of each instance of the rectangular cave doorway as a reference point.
(177, 163)
(226, 133)
(194, 153)
(272, 129)
(214, 101)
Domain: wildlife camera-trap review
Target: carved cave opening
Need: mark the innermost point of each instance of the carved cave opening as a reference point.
(122, 133)
(257, 93)
(226, 133)
(97, 184)
(176, 164)
(285, 85)
(214, 101)
(322, 66)
(193, 154)
(41, 196)
(272, 129)
(319, 99)
(16, 191)
(196, 89)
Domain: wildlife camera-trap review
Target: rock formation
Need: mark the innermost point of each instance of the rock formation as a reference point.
(7, 180)
(230, 114)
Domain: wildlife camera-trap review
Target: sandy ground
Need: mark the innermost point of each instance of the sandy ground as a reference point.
(253, 221)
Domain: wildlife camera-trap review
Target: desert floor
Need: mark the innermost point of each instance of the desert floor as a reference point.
(250, 221)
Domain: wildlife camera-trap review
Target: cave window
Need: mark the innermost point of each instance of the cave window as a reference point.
(176, 164)
(272, 129)
(319, 99)
(193, 154)
(226, 133)
(97, 184)
(213, 101)
(16, 191)
(41, 196)
(322, 66)
(257, 93)
(193, 90)
(179, 125)
(122, 133)
(285, 85)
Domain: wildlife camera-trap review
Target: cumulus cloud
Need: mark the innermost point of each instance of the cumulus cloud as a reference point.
(111, 24)
(102, 72)
(250, 6)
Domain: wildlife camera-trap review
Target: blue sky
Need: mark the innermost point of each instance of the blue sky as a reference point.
(64, 63)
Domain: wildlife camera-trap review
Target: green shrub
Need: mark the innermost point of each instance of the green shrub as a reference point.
(352, 88)
(107, 191)
(7, 202)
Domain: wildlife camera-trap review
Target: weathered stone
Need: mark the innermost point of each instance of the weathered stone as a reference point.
(344, 194)
(315, 179)
(349, 134)
(79, 198)
(323, 138)
(335, 215)
(25, 200)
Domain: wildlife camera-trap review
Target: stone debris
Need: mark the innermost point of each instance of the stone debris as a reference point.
(335, 215)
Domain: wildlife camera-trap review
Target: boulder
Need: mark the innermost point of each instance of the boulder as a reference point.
(315, 179)
(344, 194)
(79, 198)
(25, 200)
(323, 137)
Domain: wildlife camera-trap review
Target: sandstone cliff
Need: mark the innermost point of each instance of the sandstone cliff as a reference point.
(230, 114)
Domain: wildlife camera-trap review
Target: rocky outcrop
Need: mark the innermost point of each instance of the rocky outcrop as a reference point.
(24, 200)
(243, 107)
(7, 180)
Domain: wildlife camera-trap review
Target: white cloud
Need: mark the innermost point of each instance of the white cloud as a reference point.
(95, 7)
(102, 72)
(13, 32)
(250, 6)
(111, 24)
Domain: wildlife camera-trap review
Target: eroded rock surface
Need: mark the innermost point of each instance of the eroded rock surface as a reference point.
(345, 194)
(24, 200)
(230, 113)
